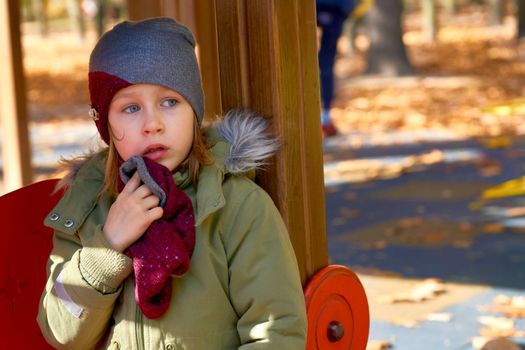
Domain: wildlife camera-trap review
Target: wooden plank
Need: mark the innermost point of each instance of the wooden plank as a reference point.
(208, 52)
(140, 9)
(280, 64)
(231, 34)
(16, 150)
(317, 246)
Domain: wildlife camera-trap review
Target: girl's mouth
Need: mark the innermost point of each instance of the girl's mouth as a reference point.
(155, 152)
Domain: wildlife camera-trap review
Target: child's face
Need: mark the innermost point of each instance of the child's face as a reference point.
(151, 121)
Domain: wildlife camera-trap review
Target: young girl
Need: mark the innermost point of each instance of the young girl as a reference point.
(162, 240)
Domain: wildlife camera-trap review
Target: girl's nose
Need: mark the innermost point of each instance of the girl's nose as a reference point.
(153, 122)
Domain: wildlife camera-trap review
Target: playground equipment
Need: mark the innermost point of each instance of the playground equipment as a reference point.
(267, 61)
(336, 302)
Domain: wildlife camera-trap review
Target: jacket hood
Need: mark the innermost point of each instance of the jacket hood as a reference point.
(249, 145)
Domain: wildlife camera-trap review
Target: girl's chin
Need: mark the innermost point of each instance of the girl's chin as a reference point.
(168, 165)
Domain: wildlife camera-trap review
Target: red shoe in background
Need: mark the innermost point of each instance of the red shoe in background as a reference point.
(329, 130)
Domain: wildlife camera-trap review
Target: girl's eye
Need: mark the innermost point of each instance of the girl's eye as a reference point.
(169, 102)
(132, 109)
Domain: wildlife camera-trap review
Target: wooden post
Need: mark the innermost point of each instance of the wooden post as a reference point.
(268, 62)
(16, 150)
(262, 54)
(140, 9)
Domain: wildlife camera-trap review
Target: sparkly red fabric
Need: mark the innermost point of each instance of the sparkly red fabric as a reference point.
(102, 88)
(165, 248)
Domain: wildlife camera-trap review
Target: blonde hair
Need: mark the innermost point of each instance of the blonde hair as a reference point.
(198, 156)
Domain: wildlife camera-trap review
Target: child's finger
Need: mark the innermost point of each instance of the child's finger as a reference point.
(151, 202)
(154, 213)
(132, 184)
(143, 191)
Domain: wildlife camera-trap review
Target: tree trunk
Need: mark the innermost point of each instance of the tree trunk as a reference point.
(28, 13)
(40, 8)
(387, 54)
(495, 12)
(76, 17)
(430, 20)
(99, 18)
(351, 30)
(521, 19)
(450, 6)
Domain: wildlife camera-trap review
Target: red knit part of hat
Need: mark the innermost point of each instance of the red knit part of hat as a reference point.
(165, 248)
(102, 88)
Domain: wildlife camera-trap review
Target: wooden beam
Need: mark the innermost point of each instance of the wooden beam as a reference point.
(268, 60)
(208, 52)
(233, 54)
(140, 9)
(16, 150)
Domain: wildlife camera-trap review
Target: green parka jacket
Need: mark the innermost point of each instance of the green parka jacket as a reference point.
(242, 290)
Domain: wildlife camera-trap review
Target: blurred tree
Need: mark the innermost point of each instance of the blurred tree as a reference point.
(496, 12)
(350, 30)
(450, 6)
(356, 21)
(40, 10)
(387, 53)
(99, 18)
(430, 20)
(75, 15)
(411, 5)
(27, 10)
(521, 19)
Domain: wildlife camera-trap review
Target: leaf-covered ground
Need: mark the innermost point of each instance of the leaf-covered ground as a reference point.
(469, 70)
(470, 81)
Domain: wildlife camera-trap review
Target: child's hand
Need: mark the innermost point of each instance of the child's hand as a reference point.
(131, 214)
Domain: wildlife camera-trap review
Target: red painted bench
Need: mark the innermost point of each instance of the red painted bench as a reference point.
(24, 250)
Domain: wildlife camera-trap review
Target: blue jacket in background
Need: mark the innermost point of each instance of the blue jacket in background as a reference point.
(345, 6)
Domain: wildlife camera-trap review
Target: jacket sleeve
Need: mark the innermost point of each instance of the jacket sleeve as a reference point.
(265, 286)
(83, 283)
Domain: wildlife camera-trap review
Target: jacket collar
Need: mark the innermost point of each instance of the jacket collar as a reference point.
(80, 198)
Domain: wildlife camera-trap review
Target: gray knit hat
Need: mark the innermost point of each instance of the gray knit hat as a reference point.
(155, 51)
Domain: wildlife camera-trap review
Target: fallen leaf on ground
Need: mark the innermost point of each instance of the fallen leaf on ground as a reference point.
(497, 142)
(439, 317)
(479, 342)
(378, 345)
(489, 168)
(430, 288)
(498, 327)
(513, 307)
(493, 228)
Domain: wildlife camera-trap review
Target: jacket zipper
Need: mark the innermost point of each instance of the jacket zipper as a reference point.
(139, 328)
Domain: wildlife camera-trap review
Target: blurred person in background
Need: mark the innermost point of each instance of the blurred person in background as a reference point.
(331, 15)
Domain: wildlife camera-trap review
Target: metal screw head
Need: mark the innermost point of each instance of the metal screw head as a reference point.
(68, 223)
(335, 331)
(54, 216)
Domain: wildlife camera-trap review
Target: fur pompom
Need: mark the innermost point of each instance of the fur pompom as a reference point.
(251, 143)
